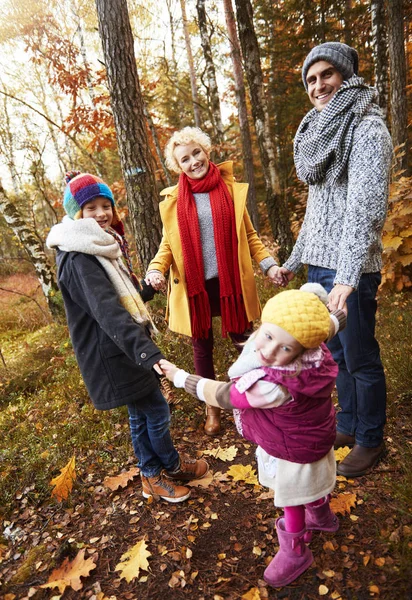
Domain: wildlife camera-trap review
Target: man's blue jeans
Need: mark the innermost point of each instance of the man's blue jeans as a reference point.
(361, 380)
(149, 420)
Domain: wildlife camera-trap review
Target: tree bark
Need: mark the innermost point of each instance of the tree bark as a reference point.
(212, 89)
(240, 93)
(276, 205)
(32, 246)
(380, 52)
(128, 111)
(397, 61)
(192, 74)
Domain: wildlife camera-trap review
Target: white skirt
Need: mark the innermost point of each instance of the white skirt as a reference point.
(295, 484)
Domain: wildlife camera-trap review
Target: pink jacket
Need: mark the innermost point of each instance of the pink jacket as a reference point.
(302, 430)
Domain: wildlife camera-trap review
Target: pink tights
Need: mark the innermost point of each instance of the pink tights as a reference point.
(295, 516)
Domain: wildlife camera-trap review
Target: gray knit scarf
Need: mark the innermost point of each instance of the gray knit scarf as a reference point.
(323, 141)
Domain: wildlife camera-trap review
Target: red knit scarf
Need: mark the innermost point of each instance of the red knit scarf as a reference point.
(234, 319)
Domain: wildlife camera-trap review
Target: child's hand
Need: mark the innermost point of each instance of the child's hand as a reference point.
(168, 368)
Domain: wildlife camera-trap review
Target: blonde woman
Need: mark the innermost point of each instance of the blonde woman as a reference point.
(207, 246)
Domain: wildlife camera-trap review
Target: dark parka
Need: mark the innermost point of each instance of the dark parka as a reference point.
(115, 354)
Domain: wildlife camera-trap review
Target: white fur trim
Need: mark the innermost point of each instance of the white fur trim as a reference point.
(179, 379)
(317, 289)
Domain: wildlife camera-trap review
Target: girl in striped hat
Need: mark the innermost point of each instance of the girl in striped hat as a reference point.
(110, 329)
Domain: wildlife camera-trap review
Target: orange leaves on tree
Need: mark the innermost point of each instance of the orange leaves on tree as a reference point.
(134, 560)
(63, 483)
(343, 503)
(243, 473)
(121, 480)
(69, 573)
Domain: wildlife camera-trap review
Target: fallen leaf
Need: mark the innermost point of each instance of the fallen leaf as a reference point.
(64, 482)
(329, 546)
(380, 562)
(69, 573)
(323, 590)
(341, 453)
(243, 473)
(204, 482)
(133, 560)
(121, 480)
(374, 589)
(343, 503)
(225, 454)
(252, 594)
(366, 560)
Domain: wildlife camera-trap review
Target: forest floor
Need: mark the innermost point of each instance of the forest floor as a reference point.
(213, 547)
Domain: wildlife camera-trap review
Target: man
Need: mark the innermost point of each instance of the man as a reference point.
(343, 150)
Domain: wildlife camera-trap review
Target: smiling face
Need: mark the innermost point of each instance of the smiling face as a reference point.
(275, 347)
(323, 80)
(192, 159)
(100, 209)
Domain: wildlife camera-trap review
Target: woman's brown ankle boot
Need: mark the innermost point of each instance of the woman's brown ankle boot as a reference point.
(212, 424)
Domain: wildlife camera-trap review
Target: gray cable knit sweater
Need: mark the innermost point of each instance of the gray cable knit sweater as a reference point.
(343, 222)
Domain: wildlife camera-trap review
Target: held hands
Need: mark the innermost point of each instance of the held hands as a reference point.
(280, 276)
(156, 280)
(168, 368)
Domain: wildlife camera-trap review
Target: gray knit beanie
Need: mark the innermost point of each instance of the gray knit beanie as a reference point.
(342, 57)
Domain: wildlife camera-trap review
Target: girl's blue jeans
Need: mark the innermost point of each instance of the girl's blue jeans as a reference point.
(361, 380)
(149, 420)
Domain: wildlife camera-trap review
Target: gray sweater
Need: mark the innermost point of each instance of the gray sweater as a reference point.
(343, 222)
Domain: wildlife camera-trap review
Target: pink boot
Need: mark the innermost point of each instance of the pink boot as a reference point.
(320, 517)
(292, 559)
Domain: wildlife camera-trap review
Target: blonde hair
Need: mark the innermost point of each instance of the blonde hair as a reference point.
(182, 137)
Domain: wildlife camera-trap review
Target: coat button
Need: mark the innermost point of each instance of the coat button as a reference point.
(175, 280)
(143, 355)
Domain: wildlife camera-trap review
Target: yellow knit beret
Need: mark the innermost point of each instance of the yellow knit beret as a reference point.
(302, 314)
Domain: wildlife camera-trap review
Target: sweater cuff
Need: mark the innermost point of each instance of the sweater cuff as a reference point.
(180, 377)
(191, 385)
(266, 264)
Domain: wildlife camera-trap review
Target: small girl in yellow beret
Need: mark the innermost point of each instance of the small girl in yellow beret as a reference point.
(280, 389)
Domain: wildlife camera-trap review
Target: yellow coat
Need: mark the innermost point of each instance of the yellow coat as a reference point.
(170, 254)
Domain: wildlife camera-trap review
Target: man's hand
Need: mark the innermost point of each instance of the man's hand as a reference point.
(168, 369)
(280, 276)
(338, 296)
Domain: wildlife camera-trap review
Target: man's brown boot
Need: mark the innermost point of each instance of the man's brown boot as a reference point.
(360, 461)
(159, 487)
(189, 469)
(212, 424)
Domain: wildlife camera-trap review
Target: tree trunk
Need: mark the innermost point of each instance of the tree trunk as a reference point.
(397, 60)
(276, 205)
(212, 90)
(32, 246)
(192, 73)
(380, 52)
(128, 111)
(242, 112)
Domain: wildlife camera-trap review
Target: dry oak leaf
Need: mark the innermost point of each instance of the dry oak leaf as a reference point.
(243, 473)
(225, 454)
(63, 483)
(134, 560)
(69, 573)
(121, 480)
(252, 594)
(343, 503)
(341, 453)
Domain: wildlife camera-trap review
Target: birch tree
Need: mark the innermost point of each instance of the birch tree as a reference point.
(192, 73)
(212, 89)
(276, 204)
(128, 112)
(240, 93)
(30, 242)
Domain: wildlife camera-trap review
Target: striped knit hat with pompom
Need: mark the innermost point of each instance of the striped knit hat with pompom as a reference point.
(83, 187)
